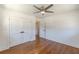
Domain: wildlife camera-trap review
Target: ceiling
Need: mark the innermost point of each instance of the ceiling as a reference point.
(29, 9)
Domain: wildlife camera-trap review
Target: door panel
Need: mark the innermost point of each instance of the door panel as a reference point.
(15, 29)
(29, 29)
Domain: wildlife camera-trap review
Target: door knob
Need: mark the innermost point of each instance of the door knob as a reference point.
(22, 32)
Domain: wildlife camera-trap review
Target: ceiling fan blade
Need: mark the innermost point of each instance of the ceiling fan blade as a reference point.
(49, 11)
(37, 7)
(48, 6)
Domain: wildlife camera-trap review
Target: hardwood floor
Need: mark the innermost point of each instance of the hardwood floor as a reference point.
(43, 47)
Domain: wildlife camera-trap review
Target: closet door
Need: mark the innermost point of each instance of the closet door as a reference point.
(28, 29)
(22, 29)
(16, 34)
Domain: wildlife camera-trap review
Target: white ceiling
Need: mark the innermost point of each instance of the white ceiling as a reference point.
(29, 9)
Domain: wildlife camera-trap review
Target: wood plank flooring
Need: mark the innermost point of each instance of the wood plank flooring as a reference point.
(43, 47)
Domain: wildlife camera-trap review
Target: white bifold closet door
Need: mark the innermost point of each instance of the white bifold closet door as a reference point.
(21, 30)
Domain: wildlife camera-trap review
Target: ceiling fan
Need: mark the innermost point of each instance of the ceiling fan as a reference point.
(43, 9)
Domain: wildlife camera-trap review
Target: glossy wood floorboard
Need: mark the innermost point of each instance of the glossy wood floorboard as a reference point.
(43, 47)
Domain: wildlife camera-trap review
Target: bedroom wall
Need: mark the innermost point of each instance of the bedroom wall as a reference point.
(63, 28)
(4, 33)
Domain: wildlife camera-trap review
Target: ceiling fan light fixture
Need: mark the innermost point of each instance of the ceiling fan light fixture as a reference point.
(42, 12)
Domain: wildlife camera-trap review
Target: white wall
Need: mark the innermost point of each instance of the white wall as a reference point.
(63, 28)
(4, 32)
